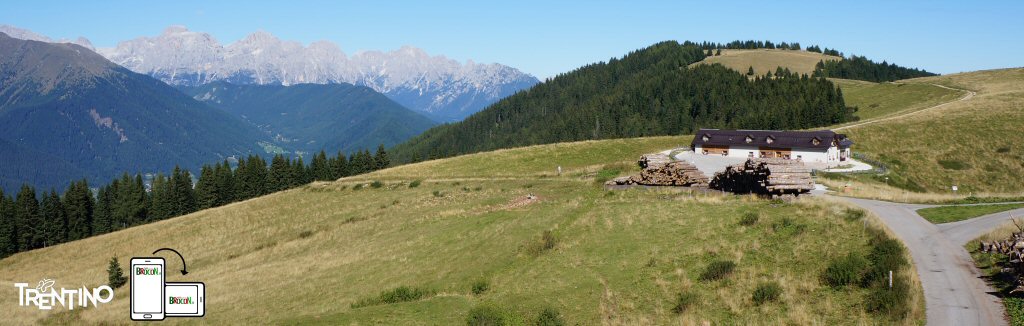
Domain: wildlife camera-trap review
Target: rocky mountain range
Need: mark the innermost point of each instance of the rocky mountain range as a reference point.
(443, 89)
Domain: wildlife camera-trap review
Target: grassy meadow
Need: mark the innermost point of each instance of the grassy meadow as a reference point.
(946, 214)
(767, 60)
(324, 253)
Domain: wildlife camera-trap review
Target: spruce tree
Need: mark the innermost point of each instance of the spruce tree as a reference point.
(162, 199)
(206, 188)
(28, 221)
(55, 221)
(750, 71)
(280, 173)
(718, 52)
(115, 276)
(319, 166)
(225, 184)
(102, 215)
(8, 235)
(381, 160)
(184, 195)
(340, 166)
(78, 205)
(300, 175)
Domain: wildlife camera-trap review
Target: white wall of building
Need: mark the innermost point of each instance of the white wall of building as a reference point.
(805, 154)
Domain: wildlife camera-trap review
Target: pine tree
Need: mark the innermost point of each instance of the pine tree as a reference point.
(28, 220)
(8, 234)
(225, 184)
(381, 160)
(115, 276)
(78, 205)
(281, 173)
(718, 52)
(184, 195)
(300, 175)
(207, 192)
(102, 215)
(709, 53)
(162, 198)
(55, 221)
(750, 71)
(320, 167)
(340, 166)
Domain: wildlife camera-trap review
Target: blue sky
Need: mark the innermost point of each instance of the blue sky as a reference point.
(548, 37)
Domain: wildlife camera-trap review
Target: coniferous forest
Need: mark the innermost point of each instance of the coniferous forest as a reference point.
(861, 68)
(648, 92)
(29, 220)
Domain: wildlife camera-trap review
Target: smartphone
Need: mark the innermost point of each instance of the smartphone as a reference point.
(147, 288)
(185, 299)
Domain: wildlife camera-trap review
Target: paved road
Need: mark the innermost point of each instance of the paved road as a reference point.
(954, 292)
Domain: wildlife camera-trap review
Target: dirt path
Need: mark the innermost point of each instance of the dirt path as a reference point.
(954, 292)
(968, 94)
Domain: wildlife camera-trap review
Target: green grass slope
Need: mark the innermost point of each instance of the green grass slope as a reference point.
(975, 143)
(618, 257)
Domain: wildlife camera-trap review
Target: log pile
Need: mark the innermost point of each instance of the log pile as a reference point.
(767, 176)
(661, 170)
(1013, 249)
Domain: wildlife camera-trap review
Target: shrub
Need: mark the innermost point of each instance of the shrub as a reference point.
(357, 186)
(684, 301)
(845, 270)
(1003, 150)
(954, 165)
(788, 226)
(853, 214)
(549, 240)
(886, 255)
(415, 183)
(115, 276)
(767, 292)
(305, 234)
(750, 218)
(893, 302)
(549, 317)
(396, 295)
(486, 315)
(438, 193)
(717, 270)
(376, 184)
(481, 286)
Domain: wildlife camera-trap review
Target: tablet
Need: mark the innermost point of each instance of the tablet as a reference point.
(185, 299)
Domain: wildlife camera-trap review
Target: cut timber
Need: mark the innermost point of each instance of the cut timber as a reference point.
(661, 170)
(767, 176)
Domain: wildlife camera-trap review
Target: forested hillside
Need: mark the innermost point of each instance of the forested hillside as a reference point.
(862, 68)
(645, 93)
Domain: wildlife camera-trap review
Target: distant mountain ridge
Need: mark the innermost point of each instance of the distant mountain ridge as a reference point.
(67, 112)
(444, 89)
(311, 117)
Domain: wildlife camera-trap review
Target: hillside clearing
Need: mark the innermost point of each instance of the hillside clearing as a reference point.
(767, 60)
(306, 255)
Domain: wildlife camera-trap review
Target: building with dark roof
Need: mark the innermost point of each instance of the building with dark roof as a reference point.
(824, 146)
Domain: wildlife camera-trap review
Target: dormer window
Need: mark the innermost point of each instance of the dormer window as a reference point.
(705, 138)
(816, 141)
(749, 139)
(770, 139)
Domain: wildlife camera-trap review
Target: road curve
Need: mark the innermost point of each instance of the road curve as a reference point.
(968, 94)
(954, 292)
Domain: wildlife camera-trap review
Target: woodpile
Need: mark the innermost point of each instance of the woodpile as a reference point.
(1013, 249)
(767, 176)
(661, 170)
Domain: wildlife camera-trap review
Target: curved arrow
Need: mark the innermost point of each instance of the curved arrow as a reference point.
(184, 268)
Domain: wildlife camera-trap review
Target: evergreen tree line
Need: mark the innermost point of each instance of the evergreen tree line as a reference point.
(862, 68)
(30, 221)
(648, 92)
(826, 51)
(747, 45)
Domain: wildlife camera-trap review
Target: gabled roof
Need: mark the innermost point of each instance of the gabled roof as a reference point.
(782, 139)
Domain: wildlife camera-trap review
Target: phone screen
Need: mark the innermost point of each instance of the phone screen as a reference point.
(147, 288)
(182, 299)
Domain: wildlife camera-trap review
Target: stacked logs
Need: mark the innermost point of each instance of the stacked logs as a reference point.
(767, 176)
(661, 170)
(1013, 249)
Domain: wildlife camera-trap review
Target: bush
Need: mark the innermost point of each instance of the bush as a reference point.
(115, 276)
(415, 183)
(766, 292)
(717, 270)
(750, 218)
(357, 186)
(954, 165)
(886, 255)
(684, 301)
(549, 317)
(845, 270)
(893, 302)
(487, 315)
(396, 295)
(853, 214)
(788, 226)
(438, 193)
(549, 240)
(305, 234)
(481, 286)
(376, 184)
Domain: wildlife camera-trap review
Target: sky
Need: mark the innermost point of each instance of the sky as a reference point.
(545, 38)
